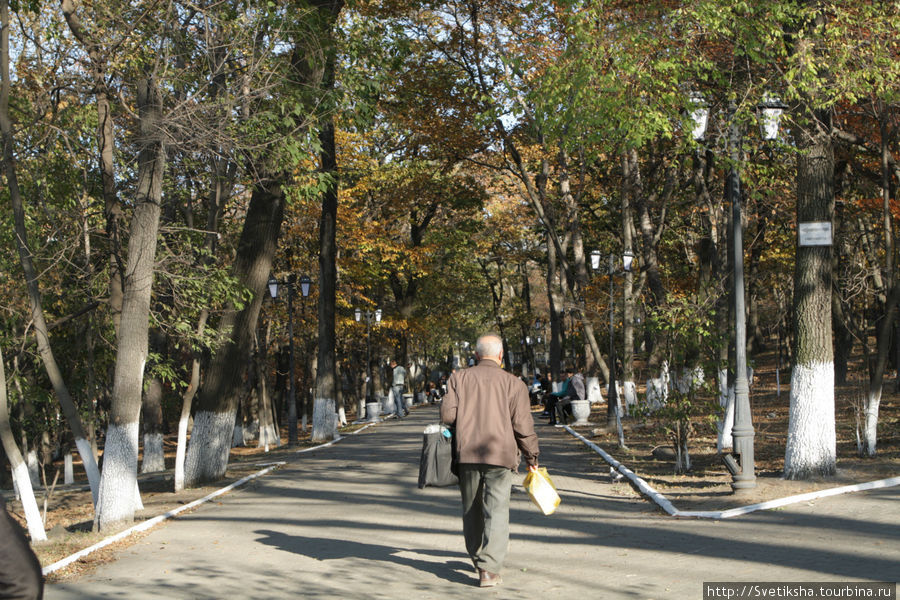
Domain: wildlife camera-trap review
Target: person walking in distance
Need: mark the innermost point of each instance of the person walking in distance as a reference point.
(398, 385)
(492, 416)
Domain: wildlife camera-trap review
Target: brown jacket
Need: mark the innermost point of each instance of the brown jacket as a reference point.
(492, 414)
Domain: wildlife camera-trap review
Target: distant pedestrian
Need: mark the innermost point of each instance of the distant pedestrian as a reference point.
(20, 571)
(398, 385)
(492, 416)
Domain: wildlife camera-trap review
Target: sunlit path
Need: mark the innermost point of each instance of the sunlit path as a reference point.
(349, 522)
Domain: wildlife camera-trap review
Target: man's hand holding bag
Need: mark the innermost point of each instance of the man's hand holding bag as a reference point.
(541, 490)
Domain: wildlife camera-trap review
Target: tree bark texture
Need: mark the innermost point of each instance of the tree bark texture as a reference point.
(811, 442)
(187, 400)
(112, 208)
(581, 273)
(118, 481)
(555, 303)
(25, 256)
(207, 453)
(326, 383)
(153, 459)
(628, 384)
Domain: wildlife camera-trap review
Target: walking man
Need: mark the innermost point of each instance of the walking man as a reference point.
(492, 415)
(398, 385)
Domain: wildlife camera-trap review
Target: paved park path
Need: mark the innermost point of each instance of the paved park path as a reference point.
(348, 522)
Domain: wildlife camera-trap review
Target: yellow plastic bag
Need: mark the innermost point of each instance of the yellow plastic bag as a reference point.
(541, 490)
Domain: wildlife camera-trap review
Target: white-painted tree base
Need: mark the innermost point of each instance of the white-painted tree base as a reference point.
(207, 454)
(725, 424)
(34, 473)
(22, 481)
(811, 448)
(594, 390)
(630, 396)
(268, 437)
(323, 420)
(89, 462)
(180, 453)
(118, 483)
(68, 470)
(873, 400)
(153, 459)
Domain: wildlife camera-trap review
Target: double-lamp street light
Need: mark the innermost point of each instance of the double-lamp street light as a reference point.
(612, 396)
(370, 316)
(290, 283)
(769, 111)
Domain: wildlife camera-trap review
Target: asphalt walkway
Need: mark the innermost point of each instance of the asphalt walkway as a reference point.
(348, 521)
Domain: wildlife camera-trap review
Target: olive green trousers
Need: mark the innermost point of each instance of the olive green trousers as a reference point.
(485, 498)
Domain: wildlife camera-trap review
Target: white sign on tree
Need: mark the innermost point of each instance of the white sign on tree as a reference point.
(814, 233)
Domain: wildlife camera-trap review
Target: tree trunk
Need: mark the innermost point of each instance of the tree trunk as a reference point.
(19, 470)
(326, 384)
(628, 384)
(119, 480)
(324, 401)
(207, 453)
(153, 459)
(268, 433)
(25, 256)
(581, 273)
(650, 236)
(811, 442)
(186, 401)
(876, 381)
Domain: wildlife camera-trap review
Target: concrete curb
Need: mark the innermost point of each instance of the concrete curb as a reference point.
(163, 517)
(670, 509)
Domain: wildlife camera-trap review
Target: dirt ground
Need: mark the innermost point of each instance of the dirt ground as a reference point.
(706, 487)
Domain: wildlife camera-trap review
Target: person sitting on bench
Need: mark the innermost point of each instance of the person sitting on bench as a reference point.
(559, 403)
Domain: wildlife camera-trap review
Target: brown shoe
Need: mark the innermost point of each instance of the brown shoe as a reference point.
(488, 579)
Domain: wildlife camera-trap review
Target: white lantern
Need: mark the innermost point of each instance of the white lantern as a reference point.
(770, 111)
(627, 260)
(699, 113)
(305, 282)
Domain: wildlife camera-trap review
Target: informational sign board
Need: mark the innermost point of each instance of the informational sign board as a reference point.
(814, 233)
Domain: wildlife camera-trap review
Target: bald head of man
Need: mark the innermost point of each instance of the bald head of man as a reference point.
(490, 347)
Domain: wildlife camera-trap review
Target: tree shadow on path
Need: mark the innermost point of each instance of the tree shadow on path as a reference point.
(454, 571)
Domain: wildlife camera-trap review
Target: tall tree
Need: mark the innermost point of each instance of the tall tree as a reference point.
(811, 443)
(119, 480)
(324, 16)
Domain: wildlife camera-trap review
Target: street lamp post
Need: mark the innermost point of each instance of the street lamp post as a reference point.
(612, 397)
(742, 432)
(770, 111)
(369, 315)
(290, 283)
